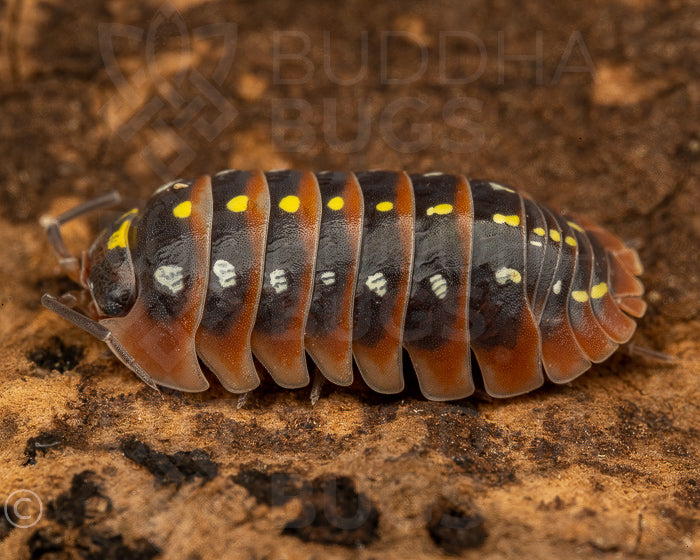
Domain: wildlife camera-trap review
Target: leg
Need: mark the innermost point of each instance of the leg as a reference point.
(316, 387)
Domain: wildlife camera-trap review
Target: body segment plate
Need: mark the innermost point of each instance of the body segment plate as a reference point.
(292, 241)
(171, 256)
(504, 336)
(384, 278)
(329, 326)
(619, 326)
(591, 337)
(238, 244)
(562, 357)
(436, 331)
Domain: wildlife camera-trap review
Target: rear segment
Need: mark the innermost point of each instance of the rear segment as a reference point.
(586, 278)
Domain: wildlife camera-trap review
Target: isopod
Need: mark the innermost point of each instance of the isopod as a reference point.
(345, 265)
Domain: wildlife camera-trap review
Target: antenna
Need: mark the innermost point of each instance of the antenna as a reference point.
(52, 227)
(98, 331)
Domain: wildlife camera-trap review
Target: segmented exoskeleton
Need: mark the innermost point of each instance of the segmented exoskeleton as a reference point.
(338, 264)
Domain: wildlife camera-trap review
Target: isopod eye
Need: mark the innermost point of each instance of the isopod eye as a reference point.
(111, 275)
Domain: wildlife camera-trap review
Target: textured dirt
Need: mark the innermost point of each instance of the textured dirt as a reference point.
(605, 122)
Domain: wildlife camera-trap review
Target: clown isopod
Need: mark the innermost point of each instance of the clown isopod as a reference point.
(353, 267)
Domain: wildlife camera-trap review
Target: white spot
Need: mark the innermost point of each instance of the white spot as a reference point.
(170, 276)
(433, 174)
(278, 280)
(166, 186)
(497, 187)
(557, 287)
(504, 274)
(225, 272)
(536, 243)
(438, 285)
(224, 172)
(377, 283)
(328, 278)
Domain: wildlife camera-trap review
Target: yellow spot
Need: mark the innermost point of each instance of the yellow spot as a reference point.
(183, 210)
(580, 296)
(336, 203)
(385, 206)
(290, 203)
(554, 234)
(177, 186)
(570, 241)
(238, 203)
(538, 231)
(509, 220)
(119, 237)
(575, 226)
(599, 290)
(441, 209)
